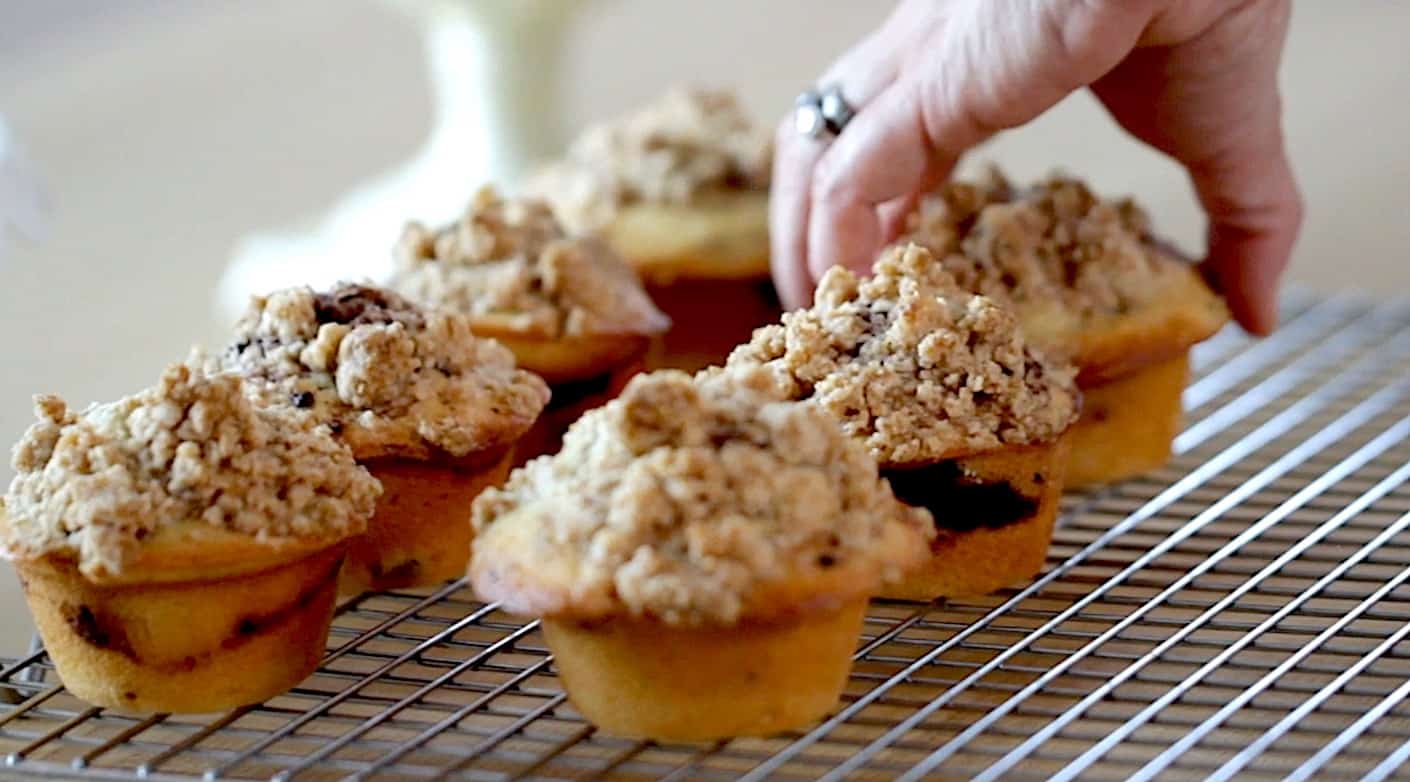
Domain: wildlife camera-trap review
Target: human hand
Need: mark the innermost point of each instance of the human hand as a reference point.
(1196, 79)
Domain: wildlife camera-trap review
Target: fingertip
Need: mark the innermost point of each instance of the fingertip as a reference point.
(1256, 214)
(1247, 270)
(846, 234)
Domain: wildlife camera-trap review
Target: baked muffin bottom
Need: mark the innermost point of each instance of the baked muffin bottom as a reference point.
(640, 678)
(420, 533)
(994, 513)
(710, 318)
(706, 265)
(1128, 424)
(194, 646)
(722, 235)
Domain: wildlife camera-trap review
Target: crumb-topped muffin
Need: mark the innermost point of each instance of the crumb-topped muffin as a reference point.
(179, 548)
(432, 410)
(567, 306)
(1087, 279)
(701, 554)
(965, 418)
(680, 189)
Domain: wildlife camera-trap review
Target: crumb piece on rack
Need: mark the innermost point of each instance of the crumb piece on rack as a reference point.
(510, 266)
(1055, 244)
(686, 501)
(392, 378)
(192, 450)
(690, 141)
(913, 366)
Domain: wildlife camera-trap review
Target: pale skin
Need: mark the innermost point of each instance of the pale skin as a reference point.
(1195, 79)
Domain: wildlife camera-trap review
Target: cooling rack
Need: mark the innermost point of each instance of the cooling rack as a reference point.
(1242, 613)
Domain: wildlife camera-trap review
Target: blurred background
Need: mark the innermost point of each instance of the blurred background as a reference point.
(167, 131)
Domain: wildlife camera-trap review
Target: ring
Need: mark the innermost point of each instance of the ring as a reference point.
(822, 114)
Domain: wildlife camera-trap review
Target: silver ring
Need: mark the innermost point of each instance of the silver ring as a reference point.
(822, 114)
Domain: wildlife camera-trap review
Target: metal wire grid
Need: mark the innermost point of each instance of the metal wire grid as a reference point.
(1243, 612)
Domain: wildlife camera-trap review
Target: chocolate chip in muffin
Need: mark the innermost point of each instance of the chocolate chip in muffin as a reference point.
(88, 626)
(302, 399)
(358, 305)
(958, 502)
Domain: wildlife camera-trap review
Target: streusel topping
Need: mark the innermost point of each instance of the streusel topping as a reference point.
(689, 142)
(390, 378)
(511, 267)
(683, 500)
(192, 450)
(1056, 243)
(913, 366)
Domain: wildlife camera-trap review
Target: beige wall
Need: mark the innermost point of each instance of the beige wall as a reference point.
(169, 129)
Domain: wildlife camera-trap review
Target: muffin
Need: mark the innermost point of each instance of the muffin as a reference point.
(701, 555)
(179, 548)
(568, 307)
(430, 409)
(680, 189)
(1086, 279)
(963, 416)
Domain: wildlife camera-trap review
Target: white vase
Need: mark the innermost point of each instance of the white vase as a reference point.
(495, 70)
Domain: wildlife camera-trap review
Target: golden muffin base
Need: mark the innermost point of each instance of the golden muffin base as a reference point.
(721, 235)
(984, 559)
(710, 318)
(573, 398)
(1111, 347)
(420, 533)
(642, 679)
(566, 359)
(185, 647)
(1128, 424)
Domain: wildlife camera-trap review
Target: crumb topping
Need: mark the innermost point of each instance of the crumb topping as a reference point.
(192, 450)
(512, 268)
(913, 366)
(1055, 244)
(689, 142)
(684, 499)
(389, 377)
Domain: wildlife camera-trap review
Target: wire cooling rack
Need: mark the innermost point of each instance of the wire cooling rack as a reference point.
(1242, 613)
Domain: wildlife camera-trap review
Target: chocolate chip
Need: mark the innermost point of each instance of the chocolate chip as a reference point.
(335, 426)
(130, 695)
(85, 625)
(302, 399)
(357, 305)
(1039, 479)
(826, 561)
(247, 626)
(89, 626)
(959, 502)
